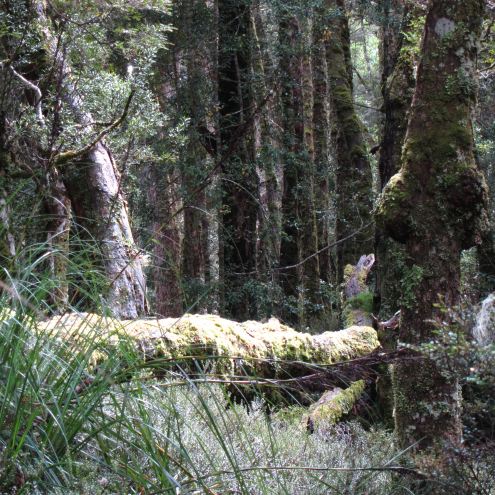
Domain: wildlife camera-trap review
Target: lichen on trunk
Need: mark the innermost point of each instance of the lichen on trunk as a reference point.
(435, 205)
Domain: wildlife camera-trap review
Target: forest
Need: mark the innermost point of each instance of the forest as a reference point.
(247, 247)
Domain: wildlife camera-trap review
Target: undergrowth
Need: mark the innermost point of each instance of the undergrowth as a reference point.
(69, 425)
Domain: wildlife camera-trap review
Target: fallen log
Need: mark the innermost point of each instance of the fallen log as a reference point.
(268, 349)
(333, 405)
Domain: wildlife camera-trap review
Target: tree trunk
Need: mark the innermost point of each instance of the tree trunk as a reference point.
(7, 239)
(321, 146)
(166, 276)
(312, 303)
(58, 209)
(399, 44)
(353, 181)
(269, 167)
(291, 64)
(239, 178)
(398, 81)
(435, 205)
(94, 187)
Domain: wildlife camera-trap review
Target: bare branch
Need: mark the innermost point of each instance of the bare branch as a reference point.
(37, 91)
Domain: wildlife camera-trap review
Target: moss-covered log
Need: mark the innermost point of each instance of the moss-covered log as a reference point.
(234, 346)
(333, 405)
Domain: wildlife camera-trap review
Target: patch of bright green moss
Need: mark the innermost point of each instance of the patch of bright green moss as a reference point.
(334, 405)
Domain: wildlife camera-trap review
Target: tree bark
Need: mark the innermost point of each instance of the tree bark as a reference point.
(269, 166)
(293, 191)
(398, 60)
(312, 302)
(166, 275)
(399, 47)
(353, 182)
(436, 206)
(239, 178)
(93, 184)
(7, 239)
(94, 188)
(321, 145)
(58, 209)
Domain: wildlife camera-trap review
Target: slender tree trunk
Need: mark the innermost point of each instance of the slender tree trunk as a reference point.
(353, 181)
(321, 145)
(166, 252)
(268, 163)
(7, 239)
(162, 179)
(312, 303)
(291, 64)
(194, 98)
(435, 205)
(239, 178)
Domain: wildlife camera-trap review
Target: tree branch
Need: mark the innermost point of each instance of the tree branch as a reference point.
(66, 156)
(37, 91)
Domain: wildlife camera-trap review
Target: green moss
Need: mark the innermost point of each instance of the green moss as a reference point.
(363, 301)
(290, 415)
(343, 98)
(394, 208)
(334, 405)
(226, 344)
(410, 282)
(352, 125)
(358, 309)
